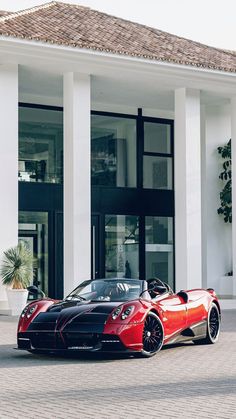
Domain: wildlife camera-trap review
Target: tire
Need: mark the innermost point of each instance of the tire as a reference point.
(153, 335)
(213, 327)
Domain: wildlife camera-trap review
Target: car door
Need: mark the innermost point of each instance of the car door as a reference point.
(196, 307)
(174, 314)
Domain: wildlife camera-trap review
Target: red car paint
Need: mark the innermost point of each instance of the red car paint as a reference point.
(42, 306)
(176, 314)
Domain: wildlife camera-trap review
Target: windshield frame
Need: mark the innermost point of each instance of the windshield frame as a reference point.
(72, 295)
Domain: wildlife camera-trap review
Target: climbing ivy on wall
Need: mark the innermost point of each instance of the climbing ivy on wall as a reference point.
(225, 208)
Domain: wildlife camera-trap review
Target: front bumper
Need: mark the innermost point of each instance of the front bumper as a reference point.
(70, 342)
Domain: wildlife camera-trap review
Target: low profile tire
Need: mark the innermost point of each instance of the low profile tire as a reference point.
(213, 327)
(153, 335)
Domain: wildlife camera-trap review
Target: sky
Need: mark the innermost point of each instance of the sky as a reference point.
(211, 22)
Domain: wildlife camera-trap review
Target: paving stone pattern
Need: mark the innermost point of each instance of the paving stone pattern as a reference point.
(185, 381)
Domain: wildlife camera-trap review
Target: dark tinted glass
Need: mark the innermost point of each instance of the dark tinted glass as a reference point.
(113, 143)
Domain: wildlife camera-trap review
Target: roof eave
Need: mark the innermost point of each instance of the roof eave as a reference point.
(20, 47)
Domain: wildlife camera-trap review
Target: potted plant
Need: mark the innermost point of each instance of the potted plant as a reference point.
(17, 273)
(225, 210)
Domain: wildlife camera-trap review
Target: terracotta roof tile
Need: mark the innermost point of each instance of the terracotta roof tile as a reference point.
(79, 26)
(4, 13)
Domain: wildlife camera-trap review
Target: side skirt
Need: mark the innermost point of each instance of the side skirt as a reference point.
(195, 332)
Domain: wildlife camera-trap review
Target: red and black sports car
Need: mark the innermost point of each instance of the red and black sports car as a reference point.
(120, 314)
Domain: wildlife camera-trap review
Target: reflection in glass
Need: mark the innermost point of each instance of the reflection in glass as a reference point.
(40, 145)
(157, 172)
(113, 151)
(33, 229)
(157, 138)
(159, 248)
(107, 290)
(121, 246)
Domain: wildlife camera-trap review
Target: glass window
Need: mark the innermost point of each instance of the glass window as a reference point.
(159, 248)
(113, 143)
(33, 229)
(121, 246)
(122, 289)
(157, 138)
(157, 172)
(40, 145)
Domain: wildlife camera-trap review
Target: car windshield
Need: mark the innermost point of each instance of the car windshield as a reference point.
(108, 290)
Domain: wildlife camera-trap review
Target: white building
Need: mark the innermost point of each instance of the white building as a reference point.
(123, 121)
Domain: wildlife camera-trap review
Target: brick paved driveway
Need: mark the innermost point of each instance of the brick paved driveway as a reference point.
(187, 381)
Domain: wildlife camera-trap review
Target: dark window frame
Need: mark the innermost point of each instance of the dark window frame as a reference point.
(43, 107)
(162, 121)
(130, 194)
(140, 153)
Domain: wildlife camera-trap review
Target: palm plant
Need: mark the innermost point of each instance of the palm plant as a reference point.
(17, 268)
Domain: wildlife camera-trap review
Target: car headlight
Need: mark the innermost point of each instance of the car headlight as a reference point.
(24, 311)
(31, 310)
(127, 312)
(116, 313)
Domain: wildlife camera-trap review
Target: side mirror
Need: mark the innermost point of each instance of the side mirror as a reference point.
(35, 291)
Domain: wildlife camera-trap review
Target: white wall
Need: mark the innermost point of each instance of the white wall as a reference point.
(77, 194)
(217, 258)
(8, 161)
(188, 244)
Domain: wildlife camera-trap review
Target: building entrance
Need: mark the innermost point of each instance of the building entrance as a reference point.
(41, 226)
(131, 246)
(43, 233)
(132, 199)
(132, 195)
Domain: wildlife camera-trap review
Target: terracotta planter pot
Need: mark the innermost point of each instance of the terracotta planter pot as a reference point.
(17, 300)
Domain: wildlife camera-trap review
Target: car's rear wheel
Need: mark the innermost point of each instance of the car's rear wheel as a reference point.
(153, 335)
(213, 326)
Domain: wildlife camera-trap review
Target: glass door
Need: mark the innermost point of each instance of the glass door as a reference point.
(121, 246)
(159, 258)
(33, 230)
(43, 233)
(95, 271)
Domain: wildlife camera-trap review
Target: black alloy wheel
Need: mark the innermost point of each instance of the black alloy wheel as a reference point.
(153, 335)
(213, 326)
(213, 329)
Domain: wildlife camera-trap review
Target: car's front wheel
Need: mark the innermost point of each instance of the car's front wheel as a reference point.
(153, 335)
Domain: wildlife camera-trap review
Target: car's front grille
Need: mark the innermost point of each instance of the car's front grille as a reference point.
(69, 340)
(23, 343)
(46, 340)
(111, 343)
(43, 340)
(81, 340)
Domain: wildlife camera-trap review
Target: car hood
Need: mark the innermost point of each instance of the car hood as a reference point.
(71, 315)
(77, 307)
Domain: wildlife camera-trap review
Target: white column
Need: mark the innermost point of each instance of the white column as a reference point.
(8, 161)
(233, 155)
(187, 189)
(77, 190)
